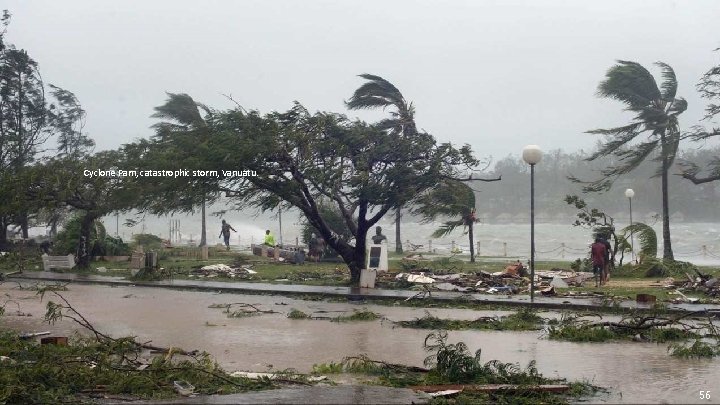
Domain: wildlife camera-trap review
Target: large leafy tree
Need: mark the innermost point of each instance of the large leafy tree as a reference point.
(380, 93)
(66, 181)
(298, 159)
(28, 119)
(656, 110)
(709, 88)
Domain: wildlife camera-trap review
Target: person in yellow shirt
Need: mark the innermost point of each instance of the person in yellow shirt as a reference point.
(269, 238)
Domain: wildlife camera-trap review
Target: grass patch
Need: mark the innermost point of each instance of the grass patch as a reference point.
(648, 328)
(698, 349)
(297, 314)
(361, 315)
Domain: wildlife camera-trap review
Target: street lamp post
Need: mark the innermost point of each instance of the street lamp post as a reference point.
(629, 193)
(532, 156)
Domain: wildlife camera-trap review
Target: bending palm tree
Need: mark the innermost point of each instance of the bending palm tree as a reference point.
(379, 93)
(452, 199)
(656, 114)
(182, 115)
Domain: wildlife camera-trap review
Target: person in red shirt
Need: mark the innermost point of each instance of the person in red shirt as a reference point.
(597, 255)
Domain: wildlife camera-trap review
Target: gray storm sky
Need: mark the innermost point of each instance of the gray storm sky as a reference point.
(495, 74)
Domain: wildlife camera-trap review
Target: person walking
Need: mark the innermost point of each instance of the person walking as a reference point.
(225, 229)
(608, 261)
(597, 255)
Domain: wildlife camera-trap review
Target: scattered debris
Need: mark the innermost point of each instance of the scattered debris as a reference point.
(449, 389)
(702, 283)
(26, 336)
(183, 388)
(241, 309)
(415, 278)
(223, 270)
(283, 376)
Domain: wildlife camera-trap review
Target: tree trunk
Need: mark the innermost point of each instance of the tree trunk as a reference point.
(398, 242)
(24, 225)
(203, 231)
(83, 250)
(667, 246)
(3, 231)
(357, 263)
(472, 242)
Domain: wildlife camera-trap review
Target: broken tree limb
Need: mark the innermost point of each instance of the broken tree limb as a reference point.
(492, 388)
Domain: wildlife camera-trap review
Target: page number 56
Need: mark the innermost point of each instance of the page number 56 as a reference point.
(704, 394)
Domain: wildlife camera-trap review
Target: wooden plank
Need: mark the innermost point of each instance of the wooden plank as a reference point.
(490, 388)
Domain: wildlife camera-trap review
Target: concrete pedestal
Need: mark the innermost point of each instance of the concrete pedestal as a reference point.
(376, 257)
(367, 278)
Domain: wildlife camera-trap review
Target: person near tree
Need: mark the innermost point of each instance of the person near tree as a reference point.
(225, 229)
(597, 255)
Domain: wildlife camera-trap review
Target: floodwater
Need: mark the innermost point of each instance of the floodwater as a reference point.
(633, 372)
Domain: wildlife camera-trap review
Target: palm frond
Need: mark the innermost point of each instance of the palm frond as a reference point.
(447, 227)
(630, 83)
(623, 135)
(377, 92)
(678, 107)
(669, 83)
(180, 108)
(631, 158)
(647, 238)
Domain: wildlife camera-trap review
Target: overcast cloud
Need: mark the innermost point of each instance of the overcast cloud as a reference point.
(495, 74)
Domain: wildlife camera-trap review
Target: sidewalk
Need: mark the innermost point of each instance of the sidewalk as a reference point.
(355, 294)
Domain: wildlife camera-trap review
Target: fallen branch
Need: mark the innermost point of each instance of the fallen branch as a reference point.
(54, 313)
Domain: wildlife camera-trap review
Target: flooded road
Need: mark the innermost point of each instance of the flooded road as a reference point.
(634, 372)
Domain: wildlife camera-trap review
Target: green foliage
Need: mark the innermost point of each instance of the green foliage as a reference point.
(147, 241)
(524, 319)
(328, 368)
(578, 328)
(115, 247)
(55, 374)
(334, 219)
(453, 364)
(646, 236)
(709, 88)
(666, 268)
(698, 349)
(656, 115)
(297, 314)
(68, 239)
(358, 315)
(582, 265)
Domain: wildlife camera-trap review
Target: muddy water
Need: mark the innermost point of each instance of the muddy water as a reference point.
(634, 372)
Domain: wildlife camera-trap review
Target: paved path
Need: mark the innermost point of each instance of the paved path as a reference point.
(350, 292)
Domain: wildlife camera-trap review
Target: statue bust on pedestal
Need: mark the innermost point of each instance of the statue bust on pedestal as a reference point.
(379, 237)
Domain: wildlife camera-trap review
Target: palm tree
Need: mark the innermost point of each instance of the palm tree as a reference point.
(451, 199)
(182, 116)
(380, 93)
(656, 115)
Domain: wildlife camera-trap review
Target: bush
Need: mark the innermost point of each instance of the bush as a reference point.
(147, 241)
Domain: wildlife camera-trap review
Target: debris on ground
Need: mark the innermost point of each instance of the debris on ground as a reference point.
(283, 376)
(223, 270)
(702, 283)
(513, 279)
